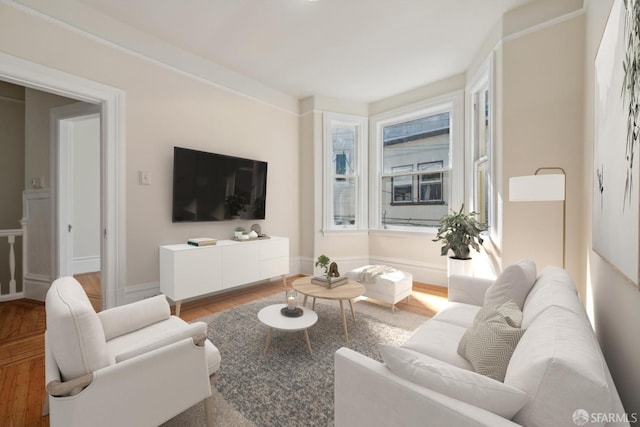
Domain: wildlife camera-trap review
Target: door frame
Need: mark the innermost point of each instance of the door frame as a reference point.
(113, 180)
(62, 120)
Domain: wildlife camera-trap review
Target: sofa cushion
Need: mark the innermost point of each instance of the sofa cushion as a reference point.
(559, 365)
(458, 313)
(439, 340)
(77, 339)
(514, 283)
(460, 384)
(553, 287)
(490, 342)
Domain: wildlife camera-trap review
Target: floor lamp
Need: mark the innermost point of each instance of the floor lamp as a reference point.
(543, 187)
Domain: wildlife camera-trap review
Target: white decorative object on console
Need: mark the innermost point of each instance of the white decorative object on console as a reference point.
(188, 271)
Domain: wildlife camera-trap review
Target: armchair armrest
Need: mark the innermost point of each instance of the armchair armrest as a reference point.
(131, 317)
(469, 290)
(197, 331)
(146, 390)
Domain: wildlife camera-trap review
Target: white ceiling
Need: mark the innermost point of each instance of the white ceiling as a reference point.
(359, 50)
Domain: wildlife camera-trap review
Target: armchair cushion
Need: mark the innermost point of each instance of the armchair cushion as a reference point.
(170, 336)
(77, 339)
(131, 317)
(137, 341)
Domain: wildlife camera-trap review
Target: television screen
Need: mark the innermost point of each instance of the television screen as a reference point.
(215, 187)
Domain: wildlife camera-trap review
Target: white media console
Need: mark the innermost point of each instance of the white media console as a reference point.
(189, 271)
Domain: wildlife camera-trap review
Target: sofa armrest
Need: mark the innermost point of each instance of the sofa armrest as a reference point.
(131, 317)
(197, 331)
(367, 393)
(469, 290)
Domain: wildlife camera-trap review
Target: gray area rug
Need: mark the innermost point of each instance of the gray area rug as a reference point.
(287, 386)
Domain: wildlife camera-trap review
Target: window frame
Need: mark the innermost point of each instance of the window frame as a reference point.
(453, 103)
(359, 175)
(482, 80)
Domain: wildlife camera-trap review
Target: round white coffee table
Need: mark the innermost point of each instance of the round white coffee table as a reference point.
(274, 319)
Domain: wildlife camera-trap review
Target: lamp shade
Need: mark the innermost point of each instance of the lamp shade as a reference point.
(536, 188)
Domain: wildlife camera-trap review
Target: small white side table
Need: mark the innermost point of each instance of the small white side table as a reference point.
(274, 319)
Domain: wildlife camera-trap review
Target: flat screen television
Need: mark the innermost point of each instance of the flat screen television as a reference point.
(215, 187)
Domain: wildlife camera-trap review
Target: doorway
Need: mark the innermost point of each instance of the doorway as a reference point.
(112, 102)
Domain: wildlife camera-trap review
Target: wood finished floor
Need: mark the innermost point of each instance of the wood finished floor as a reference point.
(22, 326)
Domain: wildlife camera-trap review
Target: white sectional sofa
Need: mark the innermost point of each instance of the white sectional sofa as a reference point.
(556, 375)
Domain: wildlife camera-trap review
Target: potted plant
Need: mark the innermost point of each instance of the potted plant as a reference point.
(459, 231)
(323, 262)
(238, 232)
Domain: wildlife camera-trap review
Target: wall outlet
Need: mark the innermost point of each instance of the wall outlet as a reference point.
(144, 177)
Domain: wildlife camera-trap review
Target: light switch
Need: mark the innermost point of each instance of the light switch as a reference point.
(144, 177)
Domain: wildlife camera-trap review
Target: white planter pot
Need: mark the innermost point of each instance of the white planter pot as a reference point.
(459, 267)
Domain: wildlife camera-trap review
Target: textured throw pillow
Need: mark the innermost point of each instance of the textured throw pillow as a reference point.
(514, 283)
(466, 386)
(489, 343)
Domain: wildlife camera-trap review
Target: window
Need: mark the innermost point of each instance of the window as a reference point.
(344, 158)
(418, 160)
(480, 146)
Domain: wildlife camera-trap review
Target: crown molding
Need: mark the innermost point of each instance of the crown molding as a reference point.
(88, 22)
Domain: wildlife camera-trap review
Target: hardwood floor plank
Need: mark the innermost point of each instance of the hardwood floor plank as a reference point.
(35, 394)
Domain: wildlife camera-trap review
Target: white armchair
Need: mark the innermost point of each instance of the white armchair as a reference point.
(133, 365)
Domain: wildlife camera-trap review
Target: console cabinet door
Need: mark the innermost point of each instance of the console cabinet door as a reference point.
(189, 272)
(240, 263)
(274, 257)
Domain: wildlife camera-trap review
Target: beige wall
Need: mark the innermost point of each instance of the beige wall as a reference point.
(37, 141)
(11, 173)
(166, 108)
(541, 126)
(12, 155)
(613, 302)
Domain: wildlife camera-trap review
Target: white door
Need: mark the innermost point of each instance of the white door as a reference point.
(78, 190)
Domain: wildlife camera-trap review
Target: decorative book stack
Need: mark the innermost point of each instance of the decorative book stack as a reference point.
(329, 282)
(201, 241)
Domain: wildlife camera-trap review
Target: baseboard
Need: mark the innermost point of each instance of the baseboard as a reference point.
(141, 291)
(432, 274)
(86, 264)
(36, 286)
(11, 297)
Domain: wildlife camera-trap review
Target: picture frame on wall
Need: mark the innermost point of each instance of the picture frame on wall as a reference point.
(616, 183)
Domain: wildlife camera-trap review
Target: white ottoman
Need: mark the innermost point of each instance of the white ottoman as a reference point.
(383, 283)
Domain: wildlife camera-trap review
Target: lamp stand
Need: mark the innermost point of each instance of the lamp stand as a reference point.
(564, 207)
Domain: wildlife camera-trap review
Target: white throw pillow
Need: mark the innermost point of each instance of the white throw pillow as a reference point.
(461, 384)
(514, 283)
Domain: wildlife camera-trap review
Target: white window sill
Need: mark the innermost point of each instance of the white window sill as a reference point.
(340, 232)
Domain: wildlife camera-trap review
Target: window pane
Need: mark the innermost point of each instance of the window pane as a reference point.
(343, 139)
(402, 185)
(344, 201)
(426, 212)
(482, 192)
(483, 123)
(416, 141)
